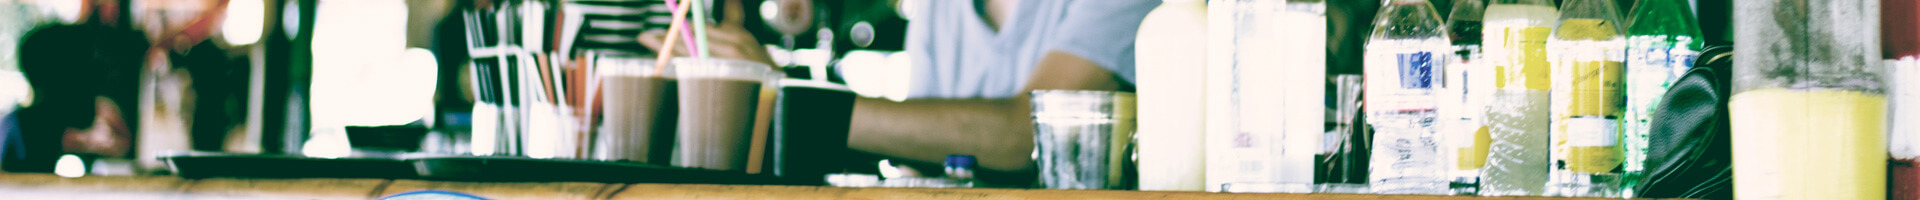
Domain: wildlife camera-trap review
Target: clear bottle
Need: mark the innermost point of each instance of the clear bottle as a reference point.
(1405, 56)
(1274, 102)
(1809, 106)
(1587, 52)
(1461, 112)
(1517, 119)
(1663, 40)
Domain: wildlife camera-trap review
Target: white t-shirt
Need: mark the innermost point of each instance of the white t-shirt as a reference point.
(956, 54)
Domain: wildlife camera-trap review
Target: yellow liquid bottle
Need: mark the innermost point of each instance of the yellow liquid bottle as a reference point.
(1809, 105)
(1589, 99)
(1516, 34)
(1809, 144)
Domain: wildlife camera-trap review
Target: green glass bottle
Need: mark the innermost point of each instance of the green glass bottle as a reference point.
(1663, 39)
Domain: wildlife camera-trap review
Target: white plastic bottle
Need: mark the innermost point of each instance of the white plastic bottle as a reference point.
(1170, 60)
(1266, 94)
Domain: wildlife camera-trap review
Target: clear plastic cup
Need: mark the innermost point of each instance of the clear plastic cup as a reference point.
(719, 103)
(641, 111)
(1081, 137)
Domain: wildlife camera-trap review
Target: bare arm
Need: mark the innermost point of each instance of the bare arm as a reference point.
(997, 131)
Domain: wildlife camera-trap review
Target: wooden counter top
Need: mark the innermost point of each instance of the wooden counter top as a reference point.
(48, 186)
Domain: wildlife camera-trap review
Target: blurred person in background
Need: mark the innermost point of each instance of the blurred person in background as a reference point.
(84, 79)
(195, 86)
(16, 18)
(125, 70)
(975, 63)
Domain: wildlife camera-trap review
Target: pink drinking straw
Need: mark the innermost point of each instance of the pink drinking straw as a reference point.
(679, 20)
(679, 13)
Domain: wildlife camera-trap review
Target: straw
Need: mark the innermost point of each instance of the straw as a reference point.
(700, 30)
(593, 86)
(678, 21)
(666, 52)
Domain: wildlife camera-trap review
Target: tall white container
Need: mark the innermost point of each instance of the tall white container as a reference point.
(1266, 91)
(1171, 64)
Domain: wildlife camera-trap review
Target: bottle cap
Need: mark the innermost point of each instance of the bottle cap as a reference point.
(960, 161)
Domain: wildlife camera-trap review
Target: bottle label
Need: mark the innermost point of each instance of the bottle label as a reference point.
(1402, 81)
(1416, 70)
(1596, 89)
(1474, 157)
(1589, 145)
(1529, 69)
(1673, 61)
(1681, 60)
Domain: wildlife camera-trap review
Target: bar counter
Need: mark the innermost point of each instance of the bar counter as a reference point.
(48, 186)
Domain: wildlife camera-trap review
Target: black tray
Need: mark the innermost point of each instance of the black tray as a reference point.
(272, 166)
(456, 168)
(513, 169)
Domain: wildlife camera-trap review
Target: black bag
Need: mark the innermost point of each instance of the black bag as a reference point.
(1689, 153)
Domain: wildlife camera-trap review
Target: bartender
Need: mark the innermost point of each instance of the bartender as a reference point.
(84, 80)
(976, 61)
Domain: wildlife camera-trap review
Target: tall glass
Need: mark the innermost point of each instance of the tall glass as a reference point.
(719, 101)
(1809, 107)
(1341, 167)
(1517, 119)
(1405, 53)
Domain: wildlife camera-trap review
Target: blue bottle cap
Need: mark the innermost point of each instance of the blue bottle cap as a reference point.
(960, 161)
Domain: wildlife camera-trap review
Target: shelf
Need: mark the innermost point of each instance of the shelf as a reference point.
(48, 186)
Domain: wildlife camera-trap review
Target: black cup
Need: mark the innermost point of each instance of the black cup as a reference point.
(810, 125)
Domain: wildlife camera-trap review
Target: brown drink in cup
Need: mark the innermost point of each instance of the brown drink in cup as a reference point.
(641, 111)
(719, 99)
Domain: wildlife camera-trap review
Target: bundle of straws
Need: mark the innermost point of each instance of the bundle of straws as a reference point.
(522, 93)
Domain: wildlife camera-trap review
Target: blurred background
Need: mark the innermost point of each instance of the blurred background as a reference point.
(117, 80)
(136, 79)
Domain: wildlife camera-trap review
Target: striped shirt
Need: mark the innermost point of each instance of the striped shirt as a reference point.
(610, 26)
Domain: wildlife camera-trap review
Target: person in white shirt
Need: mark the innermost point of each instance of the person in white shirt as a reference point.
(975, 63)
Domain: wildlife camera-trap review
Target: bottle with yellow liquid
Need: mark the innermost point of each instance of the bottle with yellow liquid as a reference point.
(1515, 48)
(1809, 104)
(1587, 51)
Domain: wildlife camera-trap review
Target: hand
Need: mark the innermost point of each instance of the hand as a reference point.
(727, 39)
(108, 135)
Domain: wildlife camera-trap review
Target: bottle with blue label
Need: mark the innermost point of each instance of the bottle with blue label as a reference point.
(1405, 60)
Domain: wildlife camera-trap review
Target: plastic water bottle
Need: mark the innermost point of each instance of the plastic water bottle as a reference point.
(1405, 58)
